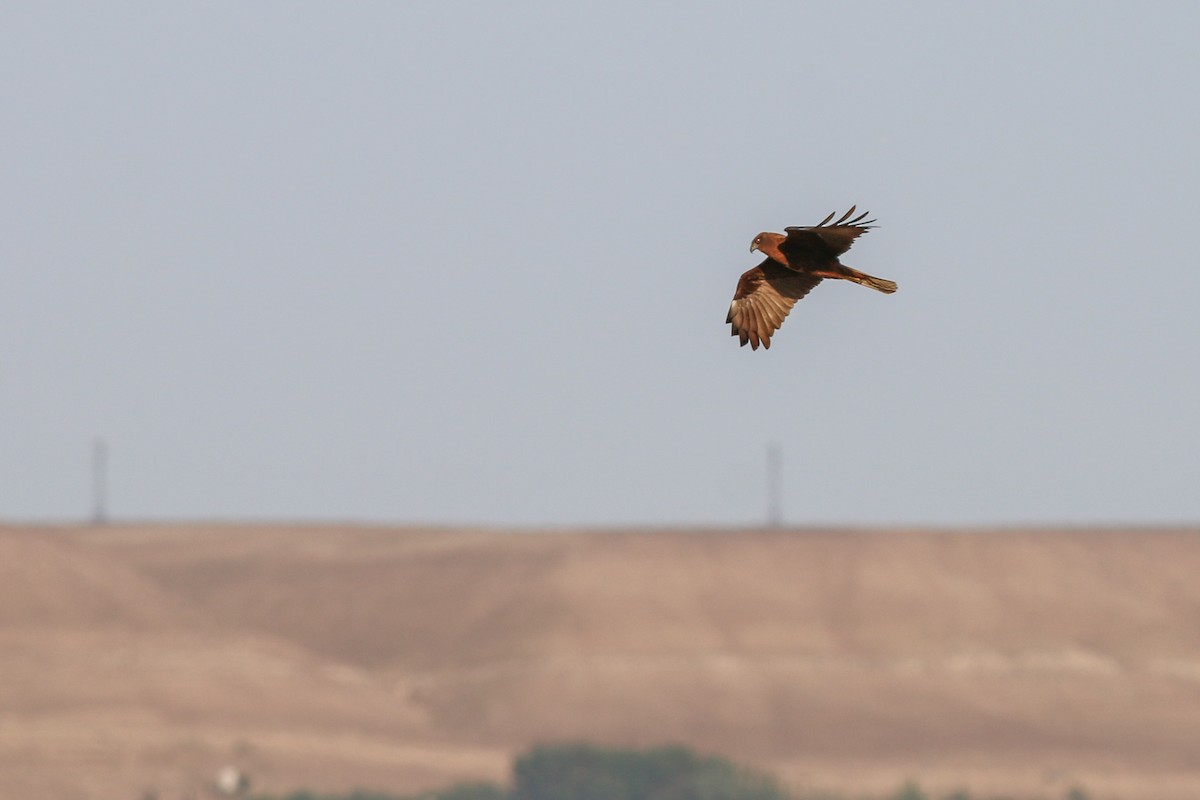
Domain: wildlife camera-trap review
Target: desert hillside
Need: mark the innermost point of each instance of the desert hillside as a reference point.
(146, 657)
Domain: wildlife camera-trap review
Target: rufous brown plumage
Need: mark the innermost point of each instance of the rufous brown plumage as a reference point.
(796, 262)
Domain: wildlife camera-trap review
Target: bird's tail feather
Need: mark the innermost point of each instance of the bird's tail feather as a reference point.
(870, 281)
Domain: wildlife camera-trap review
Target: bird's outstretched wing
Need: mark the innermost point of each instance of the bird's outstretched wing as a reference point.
(823, 241)
(763, 299)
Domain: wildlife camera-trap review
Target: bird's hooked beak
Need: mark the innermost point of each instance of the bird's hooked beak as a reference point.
(753, 246)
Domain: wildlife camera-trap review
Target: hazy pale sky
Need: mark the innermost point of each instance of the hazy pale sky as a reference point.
(471, 262)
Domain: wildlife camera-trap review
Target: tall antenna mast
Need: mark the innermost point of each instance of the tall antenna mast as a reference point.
(99, 482)
(774, 486)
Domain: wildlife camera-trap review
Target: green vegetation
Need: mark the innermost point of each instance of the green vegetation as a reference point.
(585, 772)
(582, 772)
(355, 795)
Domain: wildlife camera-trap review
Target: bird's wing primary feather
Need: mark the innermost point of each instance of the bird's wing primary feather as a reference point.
(823, 241)
(764, 297)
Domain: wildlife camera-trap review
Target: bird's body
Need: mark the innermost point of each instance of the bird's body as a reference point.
(796, 262)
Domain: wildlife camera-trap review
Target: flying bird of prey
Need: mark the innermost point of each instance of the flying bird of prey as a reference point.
(796, 262)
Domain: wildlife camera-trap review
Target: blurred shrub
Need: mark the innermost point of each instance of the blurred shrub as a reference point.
(910, 791)
(469, 791)
(584, 772)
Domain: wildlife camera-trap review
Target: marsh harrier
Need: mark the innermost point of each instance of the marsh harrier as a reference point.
(796, 262)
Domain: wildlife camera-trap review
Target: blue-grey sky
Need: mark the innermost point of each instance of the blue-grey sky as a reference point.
(471, 262)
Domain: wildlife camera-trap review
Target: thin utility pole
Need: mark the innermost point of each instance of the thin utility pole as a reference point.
(774, 486)
(99, 482)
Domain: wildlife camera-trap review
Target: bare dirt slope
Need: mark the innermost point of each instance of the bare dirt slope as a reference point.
(136, 658)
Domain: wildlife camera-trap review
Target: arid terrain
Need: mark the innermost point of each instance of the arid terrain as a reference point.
(144, 658)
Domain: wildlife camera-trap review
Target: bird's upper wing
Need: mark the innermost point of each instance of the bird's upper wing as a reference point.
(763, 299)
(824, 240)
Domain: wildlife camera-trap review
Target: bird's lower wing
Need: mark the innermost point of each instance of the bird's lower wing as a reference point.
(764, 297)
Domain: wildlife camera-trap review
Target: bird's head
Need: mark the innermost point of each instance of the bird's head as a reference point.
(767, 240)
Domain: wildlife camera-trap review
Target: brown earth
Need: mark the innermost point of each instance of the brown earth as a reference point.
(146, 657)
